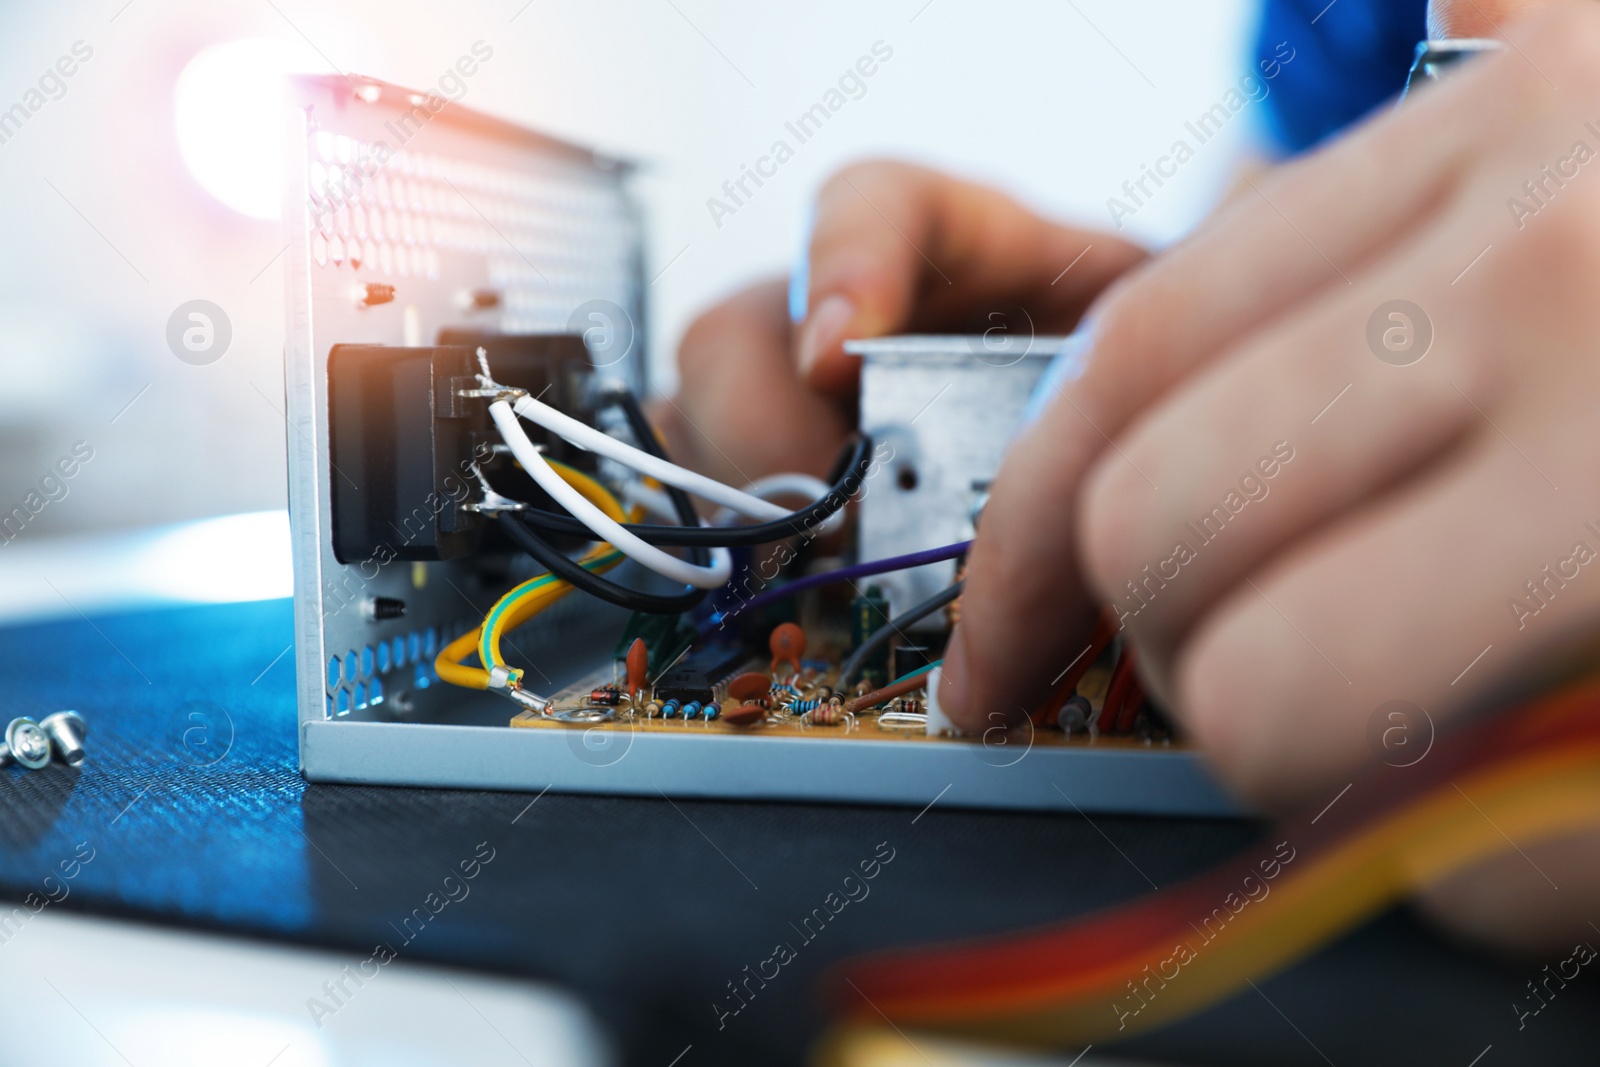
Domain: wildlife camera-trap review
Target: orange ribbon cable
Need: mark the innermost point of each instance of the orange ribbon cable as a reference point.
(1524, 777)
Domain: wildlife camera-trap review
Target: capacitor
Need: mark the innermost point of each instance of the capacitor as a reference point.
(1074, 718)
(669, 710)
(788, 645)
(746, 714)
(638, 662)
(652, 710)
(751, 685)
(691, 710)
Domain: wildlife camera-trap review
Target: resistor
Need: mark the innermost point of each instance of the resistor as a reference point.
(829, 714)
(802, 707)
(712, 710)
(907, 705)
(691, 710)
(652, 710)
(669, 710)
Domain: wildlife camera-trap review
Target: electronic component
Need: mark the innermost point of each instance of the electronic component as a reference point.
(410, 570)
(692, 679)
(942, 411)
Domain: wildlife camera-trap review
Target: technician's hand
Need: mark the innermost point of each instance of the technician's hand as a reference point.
(895, 248)
(1303, 510)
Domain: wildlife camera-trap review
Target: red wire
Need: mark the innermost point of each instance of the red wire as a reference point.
(1117, 691)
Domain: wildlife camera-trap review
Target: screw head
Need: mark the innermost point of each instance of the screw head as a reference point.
(27, 743)
(66, 731)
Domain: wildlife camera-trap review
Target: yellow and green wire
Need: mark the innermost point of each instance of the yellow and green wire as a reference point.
(525, 600)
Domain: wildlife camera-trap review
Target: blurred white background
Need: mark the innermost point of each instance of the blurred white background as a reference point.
(107, 229)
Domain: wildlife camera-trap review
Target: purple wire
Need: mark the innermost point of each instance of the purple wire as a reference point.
(811, 581)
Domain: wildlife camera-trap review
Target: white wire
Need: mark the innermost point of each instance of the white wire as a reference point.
(593, 440)
(605, 528)
(801, 485)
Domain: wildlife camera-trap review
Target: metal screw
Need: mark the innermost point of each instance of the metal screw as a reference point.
(66, 730)
(26, 744)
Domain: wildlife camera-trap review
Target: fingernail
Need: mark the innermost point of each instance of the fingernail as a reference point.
(824, 329)
(953, 675)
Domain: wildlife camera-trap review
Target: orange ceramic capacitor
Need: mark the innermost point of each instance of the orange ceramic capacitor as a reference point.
(638, 666)
(751, 685)
(745, 715)
(788, 644)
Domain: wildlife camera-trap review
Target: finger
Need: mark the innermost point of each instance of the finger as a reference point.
(742, 411)
(1409, 599)
(1477, 18)
(1308, 417)
(897, 248)
(1310, 225)
(1533, 900)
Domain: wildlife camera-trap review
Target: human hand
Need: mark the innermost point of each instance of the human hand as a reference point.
(1381, 517)
(894, 248)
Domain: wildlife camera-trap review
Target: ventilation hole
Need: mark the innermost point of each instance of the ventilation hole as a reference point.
(423, 678)
(333, 673)
(414, 643)
(329, 698)
(361, 696)
(366, 662)
(399, 644)
(383, 657)
(343, 705)
(352, 666)
(376, 692)
(430, 642)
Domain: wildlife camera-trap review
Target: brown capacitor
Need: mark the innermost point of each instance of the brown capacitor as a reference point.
(788, 644)
(638, 662)
(751, 685)
(744, 715)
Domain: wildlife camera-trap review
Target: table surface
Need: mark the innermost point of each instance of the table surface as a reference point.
(193, 803)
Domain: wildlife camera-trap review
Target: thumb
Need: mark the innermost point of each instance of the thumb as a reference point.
(899, 248)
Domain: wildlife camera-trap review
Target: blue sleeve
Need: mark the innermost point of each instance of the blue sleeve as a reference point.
(1350, 57)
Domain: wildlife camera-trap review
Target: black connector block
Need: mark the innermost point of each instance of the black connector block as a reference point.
(403, 441)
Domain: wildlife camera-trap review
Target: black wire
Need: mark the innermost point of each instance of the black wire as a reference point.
(574, 574)
(571, 572)
(882, 634)
(847, 478)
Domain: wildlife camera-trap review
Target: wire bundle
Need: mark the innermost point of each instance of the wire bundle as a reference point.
(1528, 776)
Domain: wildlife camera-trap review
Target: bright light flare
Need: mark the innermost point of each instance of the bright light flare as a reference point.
(229, 112)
